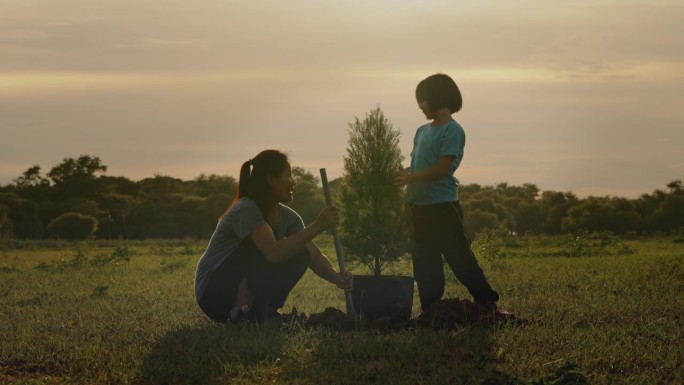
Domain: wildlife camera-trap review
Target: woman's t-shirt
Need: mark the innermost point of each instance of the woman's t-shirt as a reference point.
(240, 220)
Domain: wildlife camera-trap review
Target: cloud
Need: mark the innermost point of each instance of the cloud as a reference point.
(576, 39)
(181, 87)
(159, 43)
(19, 35)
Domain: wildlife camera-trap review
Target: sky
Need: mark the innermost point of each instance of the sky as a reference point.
(581, 96)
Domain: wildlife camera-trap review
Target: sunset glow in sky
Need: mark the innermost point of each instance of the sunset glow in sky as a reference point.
(584, 96)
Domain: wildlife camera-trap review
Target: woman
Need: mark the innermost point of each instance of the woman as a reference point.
(260, 248)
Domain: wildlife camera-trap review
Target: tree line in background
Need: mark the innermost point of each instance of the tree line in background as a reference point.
(76, 200)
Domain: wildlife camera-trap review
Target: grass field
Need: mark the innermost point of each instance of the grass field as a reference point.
(124, 312)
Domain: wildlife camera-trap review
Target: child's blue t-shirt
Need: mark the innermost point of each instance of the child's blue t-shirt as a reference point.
(236, 225)
(429, 144)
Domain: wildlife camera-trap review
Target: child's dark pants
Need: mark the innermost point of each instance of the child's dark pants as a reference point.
(438, 230)
(269, 283)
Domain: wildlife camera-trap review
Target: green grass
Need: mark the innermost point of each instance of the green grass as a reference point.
(124, 312)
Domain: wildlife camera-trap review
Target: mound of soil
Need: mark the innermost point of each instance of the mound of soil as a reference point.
(448, 313)
(451, 312)
(332, 318)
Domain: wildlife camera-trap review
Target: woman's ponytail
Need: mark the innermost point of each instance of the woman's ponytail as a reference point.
(243, 182)
(243, 185)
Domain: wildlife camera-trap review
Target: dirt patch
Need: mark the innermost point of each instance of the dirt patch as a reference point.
(451, 312)
(331, 318)
(447, 314)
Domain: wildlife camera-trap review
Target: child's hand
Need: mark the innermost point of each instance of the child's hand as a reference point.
(402, 180)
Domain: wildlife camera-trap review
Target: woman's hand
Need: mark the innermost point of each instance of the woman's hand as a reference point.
(345, 281)
(328, 217)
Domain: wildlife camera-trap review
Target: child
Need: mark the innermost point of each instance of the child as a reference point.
(432, 192)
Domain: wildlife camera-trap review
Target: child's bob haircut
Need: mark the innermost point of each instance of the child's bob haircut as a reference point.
(439, 91)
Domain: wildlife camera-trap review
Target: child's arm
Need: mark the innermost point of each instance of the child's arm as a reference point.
(442, 168)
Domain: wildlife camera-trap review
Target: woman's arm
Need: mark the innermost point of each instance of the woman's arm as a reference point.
(278, 250)
(437, 171)
(321, 265)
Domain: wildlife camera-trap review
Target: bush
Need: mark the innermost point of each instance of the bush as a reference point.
(477, 221)
(5, 223)
(584, 244)
(491, 246)
(73, 226)
(21, 216)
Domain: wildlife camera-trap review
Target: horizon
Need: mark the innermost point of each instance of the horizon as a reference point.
(582, 97)
(334, 177)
